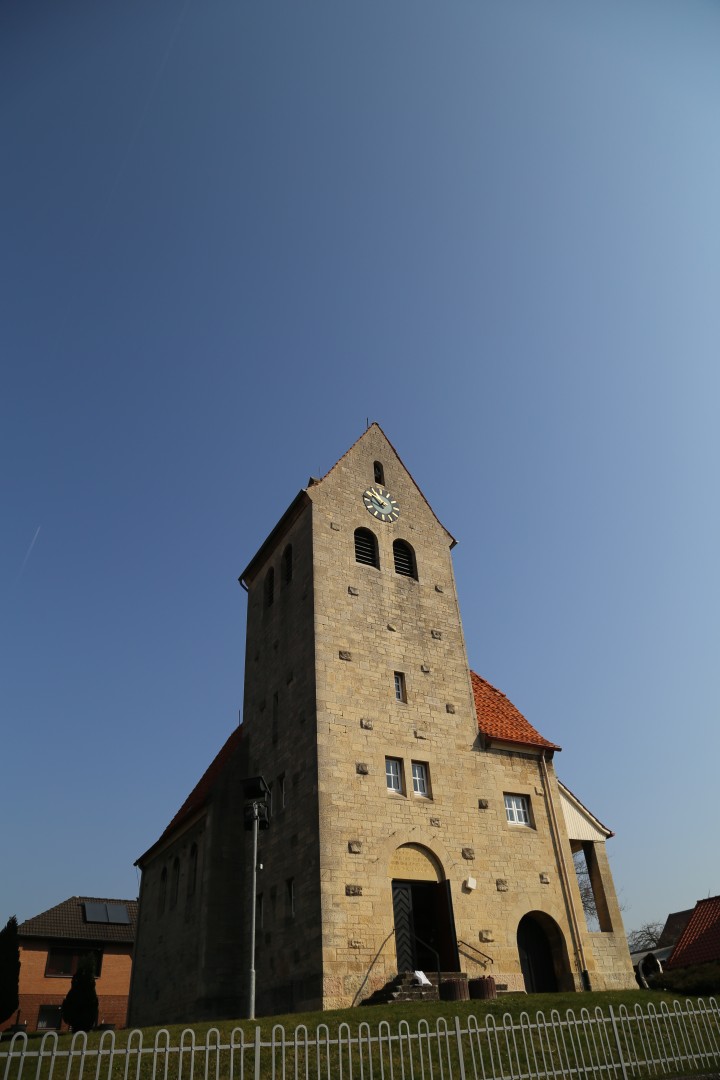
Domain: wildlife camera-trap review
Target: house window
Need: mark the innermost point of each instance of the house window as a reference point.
(400, 691)
(404, 558)
(290, 896)
(421, 785)
(287, 565)
(269, 587)
(393, 774)
(63, 963)
(366, 548)
(163, 891)
(49, 1016)
(517, 809)
(378, 473)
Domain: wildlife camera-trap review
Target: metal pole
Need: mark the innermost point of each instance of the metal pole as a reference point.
(252, 916)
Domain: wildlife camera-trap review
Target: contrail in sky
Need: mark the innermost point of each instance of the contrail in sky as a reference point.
(29, 550)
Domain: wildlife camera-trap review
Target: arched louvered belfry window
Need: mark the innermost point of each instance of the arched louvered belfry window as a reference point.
(404, 557)
(378, 472)
(269, 587)
(366, 548)
(286, 565)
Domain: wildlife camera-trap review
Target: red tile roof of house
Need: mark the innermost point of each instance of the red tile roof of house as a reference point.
(699, 942)
(199, 795)
(499, 719)
(67, 921)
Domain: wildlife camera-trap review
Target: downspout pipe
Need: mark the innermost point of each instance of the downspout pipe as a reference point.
(564, 878)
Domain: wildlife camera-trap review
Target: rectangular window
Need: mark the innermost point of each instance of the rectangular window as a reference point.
(420, 779)
(63, 963)
(281, 790)
(393, 774)
(517, 809)
(290, 887)
(400, 693)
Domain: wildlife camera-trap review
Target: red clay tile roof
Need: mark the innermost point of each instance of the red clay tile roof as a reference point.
(201, 792)
(67, 921)
(499, 719)
(699, 942)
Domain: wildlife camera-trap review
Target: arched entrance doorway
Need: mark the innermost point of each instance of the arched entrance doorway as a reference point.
(422, 907)
(543, 955)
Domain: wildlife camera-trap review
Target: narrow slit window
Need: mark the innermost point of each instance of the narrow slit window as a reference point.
(290, 892)
(400, 691)
(269, 587)
(163, 891)
(175, 883)
(366, 548)
(287, 565)
(404, 558)
(192, 870)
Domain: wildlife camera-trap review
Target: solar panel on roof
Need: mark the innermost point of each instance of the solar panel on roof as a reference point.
(95, 912)
(117, 913)
(106, 913)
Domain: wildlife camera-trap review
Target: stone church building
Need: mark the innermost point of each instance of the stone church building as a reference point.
(416, 820)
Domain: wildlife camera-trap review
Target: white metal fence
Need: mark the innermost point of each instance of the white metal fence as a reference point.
(612, 1045)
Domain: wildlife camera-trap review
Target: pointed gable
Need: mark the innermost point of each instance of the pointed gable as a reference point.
(580, 823)
(370, 433)
(499, 720)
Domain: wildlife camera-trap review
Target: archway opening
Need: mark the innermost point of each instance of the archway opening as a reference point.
(425, 937)
(543, 954)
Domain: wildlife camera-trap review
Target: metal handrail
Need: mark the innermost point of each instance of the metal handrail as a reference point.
(435, 953)
(478, 951)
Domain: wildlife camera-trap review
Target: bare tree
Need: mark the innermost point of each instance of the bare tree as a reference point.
(587, 895)
(645, 937)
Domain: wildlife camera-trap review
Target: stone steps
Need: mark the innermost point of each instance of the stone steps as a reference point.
(404, 988)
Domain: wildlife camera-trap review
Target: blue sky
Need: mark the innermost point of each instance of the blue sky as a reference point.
(232, 232)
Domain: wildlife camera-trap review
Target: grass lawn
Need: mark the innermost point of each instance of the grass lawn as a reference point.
(514, 1004)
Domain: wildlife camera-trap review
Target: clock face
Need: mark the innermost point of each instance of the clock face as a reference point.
(380, 503)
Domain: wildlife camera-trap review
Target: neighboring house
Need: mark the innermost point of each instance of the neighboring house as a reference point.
(51, 945)
(699, 943)
(648, 962)
(416, 815)
(673, 928)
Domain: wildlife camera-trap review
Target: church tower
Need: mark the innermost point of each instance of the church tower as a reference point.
(359, 710)
(390, 846)
(416, 819)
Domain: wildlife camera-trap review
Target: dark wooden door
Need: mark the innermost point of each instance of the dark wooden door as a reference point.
(536, 959)
(404, 929)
